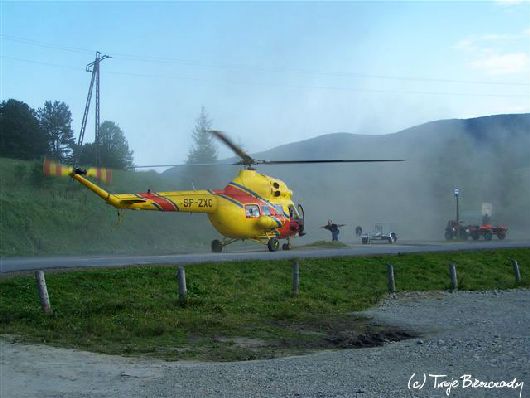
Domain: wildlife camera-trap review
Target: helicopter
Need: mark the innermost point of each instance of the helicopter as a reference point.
(253, 206)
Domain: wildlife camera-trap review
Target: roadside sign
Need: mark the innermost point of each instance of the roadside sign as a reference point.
(487, 208)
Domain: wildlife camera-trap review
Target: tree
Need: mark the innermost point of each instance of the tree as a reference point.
(203, 149)
(55, 121)
(20, 134)
(114, 150)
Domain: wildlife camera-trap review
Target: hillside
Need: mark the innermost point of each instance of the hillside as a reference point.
(487, 158)
(52, 215)
(491, 133)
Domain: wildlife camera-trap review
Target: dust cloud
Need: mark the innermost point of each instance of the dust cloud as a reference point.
(486, 158)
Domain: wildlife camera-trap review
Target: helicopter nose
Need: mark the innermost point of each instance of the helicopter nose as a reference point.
(301, 231)
(301, 227)
(301, 220)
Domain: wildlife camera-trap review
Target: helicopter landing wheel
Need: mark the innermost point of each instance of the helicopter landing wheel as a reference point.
(286, 246)
(273, 244)
(217, 246)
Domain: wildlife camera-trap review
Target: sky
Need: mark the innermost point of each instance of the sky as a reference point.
(268, 73)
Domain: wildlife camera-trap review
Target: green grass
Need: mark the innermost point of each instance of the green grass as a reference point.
(135, 310)
(56, 216)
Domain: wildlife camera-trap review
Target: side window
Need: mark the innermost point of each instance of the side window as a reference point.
(279, 210)
(296, 215)
(251, 211)
(266, 210)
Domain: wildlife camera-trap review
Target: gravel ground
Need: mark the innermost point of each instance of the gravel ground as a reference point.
(483, 334)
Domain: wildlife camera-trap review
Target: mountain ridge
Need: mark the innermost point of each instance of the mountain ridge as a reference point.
(423, 131)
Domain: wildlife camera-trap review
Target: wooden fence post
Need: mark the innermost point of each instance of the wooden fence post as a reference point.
(43, 292)
(183, 291)
(516, 271)
(454, 279)
(391, 279)
(296, 278)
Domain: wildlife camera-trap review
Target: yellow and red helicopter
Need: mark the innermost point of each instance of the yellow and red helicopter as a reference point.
(252, 206)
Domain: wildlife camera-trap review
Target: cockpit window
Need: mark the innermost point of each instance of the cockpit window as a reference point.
(252, 211)
(279, 209)
(293, 212)
(266, 210)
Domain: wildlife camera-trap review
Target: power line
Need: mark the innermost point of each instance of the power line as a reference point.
(194, 63)
(45, 45)
(290, 86)
(32, 61)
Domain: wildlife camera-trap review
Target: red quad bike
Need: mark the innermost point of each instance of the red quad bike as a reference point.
(459, 231)
(455, 230)
(487, 231)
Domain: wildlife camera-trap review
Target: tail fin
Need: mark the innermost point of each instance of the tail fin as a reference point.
(52, 168)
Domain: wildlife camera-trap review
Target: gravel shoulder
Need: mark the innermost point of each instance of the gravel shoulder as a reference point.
(483, 334)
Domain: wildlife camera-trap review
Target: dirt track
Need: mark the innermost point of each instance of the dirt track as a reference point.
(483, 334)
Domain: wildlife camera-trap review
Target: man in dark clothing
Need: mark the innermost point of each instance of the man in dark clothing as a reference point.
(334, 229)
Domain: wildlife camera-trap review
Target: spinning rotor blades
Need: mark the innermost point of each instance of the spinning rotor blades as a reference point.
(249, 161)
(245, 158)
(325, 161)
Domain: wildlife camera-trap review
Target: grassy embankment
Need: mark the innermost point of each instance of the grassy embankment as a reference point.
(234, 311)
(55, 215)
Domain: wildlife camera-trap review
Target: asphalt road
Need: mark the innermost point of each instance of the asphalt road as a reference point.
(17, 264)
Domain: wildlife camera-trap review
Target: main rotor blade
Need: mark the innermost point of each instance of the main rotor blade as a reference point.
(180, 165)
(245, 158)
(326, 161)
(250, 162)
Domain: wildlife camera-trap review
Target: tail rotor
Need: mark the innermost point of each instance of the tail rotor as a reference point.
(52, 168)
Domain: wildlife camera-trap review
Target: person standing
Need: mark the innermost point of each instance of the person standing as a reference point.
(334, 229)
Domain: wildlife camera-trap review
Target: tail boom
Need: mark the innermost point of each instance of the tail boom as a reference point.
(107, 197)
(200, 201)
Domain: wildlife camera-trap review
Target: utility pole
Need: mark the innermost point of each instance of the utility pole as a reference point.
(94, 68)
(457, 194)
